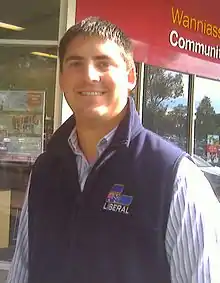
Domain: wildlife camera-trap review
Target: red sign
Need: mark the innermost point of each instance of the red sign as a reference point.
(34, 99)
(179, 35)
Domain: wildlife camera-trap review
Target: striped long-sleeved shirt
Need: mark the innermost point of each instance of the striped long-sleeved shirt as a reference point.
(193, 235)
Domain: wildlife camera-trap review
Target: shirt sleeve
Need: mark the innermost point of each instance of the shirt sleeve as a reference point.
(18, 271)
(193, 235)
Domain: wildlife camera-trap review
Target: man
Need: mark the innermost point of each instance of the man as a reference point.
(110, 201)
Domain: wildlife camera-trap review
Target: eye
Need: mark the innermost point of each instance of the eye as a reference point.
(75, 63)
(103, 65)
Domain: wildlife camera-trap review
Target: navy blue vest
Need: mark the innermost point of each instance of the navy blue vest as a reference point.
(113, 231)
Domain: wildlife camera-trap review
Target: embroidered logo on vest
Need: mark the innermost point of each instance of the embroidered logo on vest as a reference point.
(116, 201)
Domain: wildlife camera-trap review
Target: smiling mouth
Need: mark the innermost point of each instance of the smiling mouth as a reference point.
(91, 93)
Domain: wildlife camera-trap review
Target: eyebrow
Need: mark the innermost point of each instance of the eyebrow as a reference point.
(80, 58)
(73, 57)
(101, 57)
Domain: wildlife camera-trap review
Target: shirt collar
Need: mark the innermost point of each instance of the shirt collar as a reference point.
(101, 146)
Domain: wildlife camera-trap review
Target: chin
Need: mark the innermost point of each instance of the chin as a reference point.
(89, 113)
(95, 115)
(97, 111)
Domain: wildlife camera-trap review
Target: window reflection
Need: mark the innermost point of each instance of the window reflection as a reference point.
(207, 129)
(165, 104)
(21, 70)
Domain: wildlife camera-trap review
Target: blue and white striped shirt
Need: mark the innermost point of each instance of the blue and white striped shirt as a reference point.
(193, 235)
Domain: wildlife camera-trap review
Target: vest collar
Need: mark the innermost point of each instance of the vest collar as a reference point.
(127, 130)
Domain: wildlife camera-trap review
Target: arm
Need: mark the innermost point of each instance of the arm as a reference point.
(193, 234)
(18, 272)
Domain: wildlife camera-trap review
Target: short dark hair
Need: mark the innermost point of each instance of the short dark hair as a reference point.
(94, 26)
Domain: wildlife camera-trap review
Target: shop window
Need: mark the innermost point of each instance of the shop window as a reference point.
(207, 130)
(165, 104)
(29, 19)
(31, 70)
(27, 89)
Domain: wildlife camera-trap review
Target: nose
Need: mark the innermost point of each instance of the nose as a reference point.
(93, 74)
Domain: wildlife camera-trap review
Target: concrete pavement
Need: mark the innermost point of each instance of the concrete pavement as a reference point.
(4, 267)
(3, 276)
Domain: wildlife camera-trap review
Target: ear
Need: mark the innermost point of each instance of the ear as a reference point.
(132, 79)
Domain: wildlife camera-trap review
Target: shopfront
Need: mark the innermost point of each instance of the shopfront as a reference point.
(28, 46)
(177, 53)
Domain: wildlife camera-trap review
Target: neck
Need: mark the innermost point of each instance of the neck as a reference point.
(91, 132)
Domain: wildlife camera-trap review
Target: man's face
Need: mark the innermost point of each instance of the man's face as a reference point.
(95, 78)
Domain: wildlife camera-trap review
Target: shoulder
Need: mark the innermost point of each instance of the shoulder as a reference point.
(156, 141)
(40, 162)
(153, 145)
(194, 179)
(194, 193)
(57, 147)
(61, 135)
(46, 165)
